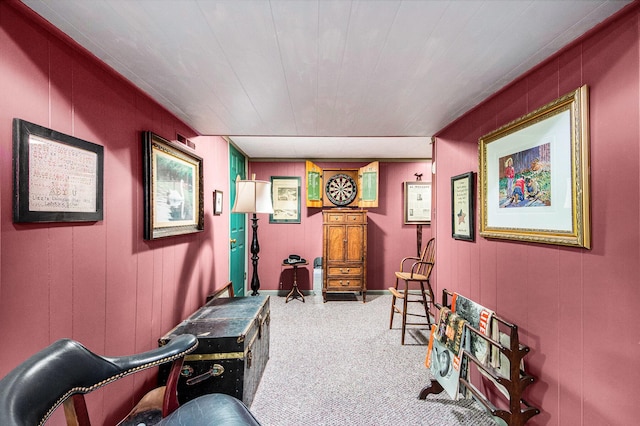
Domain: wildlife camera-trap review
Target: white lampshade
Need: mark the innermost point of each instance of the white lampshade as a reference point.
(252, 196)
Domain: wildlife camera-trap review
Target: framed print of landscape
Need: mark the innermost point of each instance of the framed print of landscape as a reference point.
(173, 189)
(286, 199)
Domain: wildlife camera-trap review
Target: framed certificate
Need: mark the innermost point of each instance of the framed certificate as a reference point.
(57, 177)
(417, 202)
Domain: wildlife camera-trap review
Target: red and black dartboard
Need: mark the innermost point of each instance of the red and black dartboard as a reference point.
(341, 189)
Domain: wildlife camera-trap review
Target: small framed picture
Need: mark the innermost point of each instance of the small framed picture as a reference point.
(217, 202)
(462, 210)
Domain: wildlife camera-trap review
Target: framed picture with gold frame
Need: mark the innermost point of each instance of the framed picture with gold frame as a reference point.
(172, 180)
(534, 175)
(56, 177)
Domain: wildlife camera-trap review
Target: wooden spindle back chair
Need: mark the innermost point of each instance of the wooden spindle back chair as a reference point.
(416, 289)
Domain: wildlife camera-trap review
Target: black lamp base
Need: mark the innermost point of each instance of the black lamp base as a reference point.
(255, 249)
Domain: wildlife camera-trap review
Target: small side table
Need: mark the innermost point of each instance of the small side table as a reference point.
(295, 291)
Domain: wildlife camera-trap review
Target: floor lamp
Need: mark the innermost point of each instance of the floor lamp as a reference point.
(253, 196)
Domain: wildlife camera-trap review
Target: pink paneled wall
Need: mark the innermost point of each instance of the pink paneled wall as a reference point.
(389, 240)
(102, 284)
(577, 309)
(99, 283)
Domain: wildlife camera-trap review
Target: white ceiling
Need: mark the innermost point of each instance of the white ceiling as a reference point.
(384, 74)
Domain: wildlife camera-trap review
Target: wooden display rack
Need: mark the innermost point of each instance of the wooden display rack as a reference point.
(519, 410)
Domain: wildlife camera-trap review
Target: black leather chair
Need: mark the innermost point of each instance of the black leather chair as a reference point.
(64, 371)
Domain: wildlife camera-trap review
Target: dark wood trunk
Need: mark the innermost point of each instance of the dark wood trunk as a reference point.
(232, 352)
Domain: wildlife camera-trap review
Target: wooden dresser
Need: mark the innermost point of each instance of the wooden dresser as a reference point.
(344, 251)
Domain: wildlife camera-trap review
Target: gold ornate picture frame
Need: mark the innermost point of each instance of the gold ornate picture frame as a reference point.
(172, 180)
(534, 175)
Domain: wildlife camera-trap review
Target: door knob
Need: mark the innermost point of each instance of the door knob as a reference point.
(232, 240)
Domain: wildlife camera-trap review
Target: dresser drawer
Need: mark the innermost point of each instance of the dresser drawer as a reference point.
(344, 283)
(354, 218)
(334, 218)
(344, 270)
(345, 217)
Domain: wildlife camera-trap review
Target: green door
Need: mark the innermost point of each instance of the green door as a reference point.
(237, 224)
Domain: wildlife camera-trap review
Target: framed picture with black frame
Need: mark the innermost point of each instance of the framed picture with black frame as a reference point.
(217, 202)
(56, 177)
(173, 189)
(462, 207)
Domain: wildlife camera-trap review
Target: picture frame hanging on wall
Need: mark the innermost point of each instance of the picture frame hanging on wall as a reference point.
(417, 203)
(173, 189)
(217, 202)
(462, 207)
(285, 192)
(534, 175)
(56, 177)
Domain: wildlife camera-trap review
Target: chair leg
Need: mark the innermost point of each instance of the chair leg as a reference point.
(393, 306)
(404, 311)
(425, 303)
(431, 300)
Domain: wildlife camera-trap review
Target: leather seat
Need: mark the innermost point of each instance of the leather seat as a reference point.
(222, 409)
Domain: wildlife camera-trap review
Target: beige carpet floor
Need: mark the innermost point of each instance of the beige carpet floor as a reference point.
(338, 363)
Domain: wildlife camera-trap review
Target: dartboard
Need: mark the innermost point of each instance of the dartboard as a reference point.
(341, 189)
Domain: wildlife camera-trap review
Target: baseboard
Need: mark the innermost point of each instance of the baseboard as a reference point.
(283, 293)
